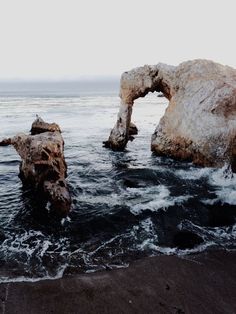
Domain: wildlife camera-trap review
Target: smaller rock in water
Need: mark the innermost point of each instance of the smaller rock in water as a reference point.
(43, 167)
(5, 142)
(133, 130)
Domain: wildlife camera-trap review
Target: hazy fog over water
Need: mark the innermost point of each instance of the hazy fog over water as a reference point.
(100, 86)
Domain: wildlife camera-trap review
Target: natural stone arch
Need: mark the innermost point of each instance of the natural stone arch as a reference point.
(134, 84)
(199, 123)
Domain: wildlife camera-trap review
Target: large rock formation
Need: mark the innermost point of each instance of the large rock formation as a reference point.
(43, 166)
(200, 121)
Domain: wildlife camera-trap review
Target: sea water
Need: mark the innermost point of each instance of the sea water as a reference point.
(125, 205)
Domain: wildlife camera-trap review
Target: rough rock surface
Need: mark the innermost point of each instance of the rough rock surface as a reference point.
(200, 121)
(40, 126)
(133, 130)
(43, 166)
(5, 142)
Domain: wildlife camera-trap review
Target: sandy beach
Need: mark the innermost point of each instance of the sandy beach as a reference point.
(201, 283)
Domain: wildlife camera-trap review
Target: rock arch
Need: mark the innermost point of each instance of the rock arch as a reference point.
(199, 124)
(134, 84)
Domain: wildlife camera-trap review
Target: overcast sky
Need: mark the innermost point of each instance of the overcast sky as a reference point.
(69, 39)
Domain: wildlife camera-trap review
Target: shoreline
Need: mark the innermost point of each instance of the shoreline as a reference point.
(198, 283)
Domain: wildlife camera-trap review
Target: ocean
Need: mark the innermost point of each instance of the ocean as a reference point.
(125, 205)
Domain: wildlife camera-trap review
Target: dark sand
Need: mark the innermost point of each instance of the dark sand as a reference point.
(202, 283)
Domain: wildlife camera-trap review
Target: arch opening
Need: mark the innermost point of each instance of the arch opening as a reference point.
(133, 85)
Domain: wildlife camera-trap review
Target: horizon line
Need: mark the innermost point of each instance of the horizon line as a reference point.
(88, 78)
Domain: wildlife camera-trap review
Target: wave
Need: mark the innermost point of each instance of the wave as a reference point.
(126, 205)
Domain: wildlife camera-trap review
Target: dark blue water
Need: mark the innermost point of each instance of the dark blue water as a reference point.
(126, 205)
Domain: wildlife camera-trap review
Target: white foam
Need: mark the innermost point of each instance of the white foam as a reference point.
(103, 245)
(46, 245)
(147, 225)
(224, 182)
(64, 220)
(28, 279)
(223, 177)
(176, 251)
(149, 233)
(31, 244)
(20, 244)
(227, 196)
(215, 234)
(193, 173)
(161, 199)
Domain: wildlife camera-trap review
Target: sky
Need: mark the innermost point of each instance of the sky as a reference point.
(71, 39)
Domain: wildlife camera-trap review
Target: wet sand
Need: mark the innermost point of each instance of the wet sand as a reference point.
(201, 283)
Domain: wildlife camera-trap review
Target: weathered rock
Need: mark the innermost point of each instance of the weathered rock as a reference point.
(43, 166)
(133, 130)
(200, 121)
(39, 126)
(5, 142)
